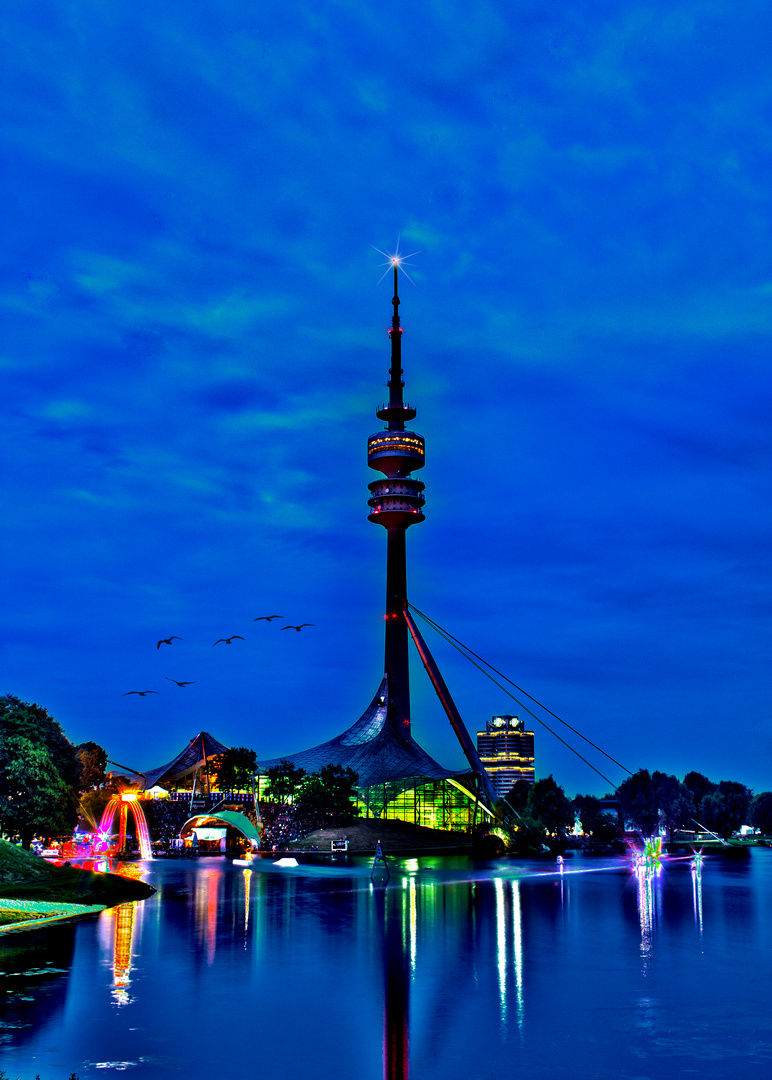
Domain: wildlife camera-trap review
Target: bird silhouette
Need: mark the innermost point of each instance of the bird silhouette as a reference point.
(298, 628)
(140, 692)
(180, 683)
(168, 640)
(267, 617)
(228, 640)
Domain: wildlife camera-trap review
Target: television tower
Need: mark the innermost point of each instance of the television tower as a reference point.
(396, 502)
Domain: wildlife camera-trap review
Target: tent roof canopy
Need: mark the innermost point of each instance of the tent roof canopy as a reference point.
(375, 747)
(200, 748)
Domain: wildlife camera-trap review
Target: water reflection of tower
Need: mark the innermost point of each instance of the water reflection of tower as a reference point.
(396, 503)
(396, 952)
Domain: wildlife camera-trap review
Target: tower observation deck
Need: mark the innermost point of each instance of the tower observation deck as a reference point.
(396, 502)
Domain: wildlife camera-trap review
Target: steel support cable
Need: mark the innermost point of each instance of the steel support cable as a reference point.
(460, 648)
(465, 649)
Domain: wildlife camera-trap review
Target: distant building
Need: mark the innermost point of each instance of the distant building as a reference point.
(506, 751)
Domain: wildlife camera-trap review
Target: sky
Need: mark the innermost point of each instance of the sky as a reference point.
(194, 346)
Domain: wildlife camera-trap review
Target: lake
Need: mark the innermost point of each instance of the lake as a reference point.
(480, 970)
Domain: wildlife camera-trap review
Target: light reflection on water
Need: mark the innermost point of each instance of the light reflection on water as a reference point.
(453, 969)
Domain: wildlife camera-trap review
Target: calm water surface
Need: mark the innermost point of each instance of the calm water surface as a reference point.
(456, 969)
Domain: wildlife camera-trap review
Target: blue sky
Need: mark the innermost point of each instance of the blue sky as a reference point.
(195, 343)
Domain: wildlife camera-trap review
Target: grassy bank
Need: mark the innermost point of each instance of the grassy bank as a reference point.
(394, 835)
(25, 876)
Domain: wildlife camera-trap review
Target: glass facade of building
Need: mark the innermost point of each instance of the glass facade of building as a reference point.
(506, 750)
(435, 804)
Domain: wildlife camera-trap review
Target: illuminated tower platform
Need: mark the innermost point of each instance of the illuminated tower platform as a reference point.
(506, 750)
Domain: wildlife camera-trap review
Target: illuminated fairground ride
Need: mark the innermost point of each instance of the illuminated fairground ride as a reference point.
(120, 804)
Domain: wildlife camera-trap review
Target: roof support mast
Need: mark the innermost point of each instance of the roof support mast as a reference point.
(449, 705)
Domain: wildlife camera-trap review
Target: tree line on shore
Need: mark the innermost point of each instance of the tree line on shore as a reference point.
(46, 782)
(541, 813)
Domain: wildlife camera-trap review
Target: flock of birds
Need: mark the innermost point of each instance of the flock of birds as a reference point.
(226, 640)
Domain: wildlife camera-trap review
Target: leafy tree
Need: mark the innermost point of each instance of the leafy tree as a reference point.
(699, 786)
(726, 809)
(235, 768)
(738, 798)
(638, 802)
(675, 802)
(330, 793)
(39, 773)
(548, 805)
(761, 812)
(92, 803)
(284, 780)
(597, 823)
(517, 796)
(92, 759)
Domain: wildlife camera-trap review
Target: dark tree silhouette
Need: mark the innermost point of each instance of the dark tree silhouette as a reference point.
(92, 759)
(284, 780)
(548, 804)
(699, 786)
(675, 803)
(234, 769)
(39, 773)
(330, 792)
(761, 812)
(638, 802)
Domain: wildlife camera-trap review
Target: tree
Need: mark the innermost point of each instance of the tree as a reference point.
(597, 823)
(761, 812)
(39, 773)
(284, 781)
(699, 786)
(517, 796)
(675, 802)
(92, 759)
(330, 792)
(724, 810)
(548, 804)
(235, 768)
(638, 802)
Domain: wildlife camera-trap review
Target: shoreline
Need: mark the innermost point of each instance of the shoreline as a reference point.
(48, 912)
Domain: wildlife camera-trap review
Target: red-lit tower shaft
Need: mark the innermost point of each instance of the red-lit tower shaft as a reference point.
(396, 503)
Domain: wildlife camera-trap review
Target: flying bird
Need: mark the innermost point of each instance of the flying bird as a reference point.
(168, 640)
(228, 640)
(267, 617)
(180, 683)
(140, 692)
(298, 628)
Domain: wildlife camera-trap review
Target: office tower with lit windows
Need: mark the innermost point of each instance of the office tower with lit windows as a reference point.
(507, 752)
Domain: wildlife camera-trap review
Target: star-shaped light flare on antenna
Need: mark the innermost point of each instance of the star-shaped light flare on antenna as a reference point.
(396, 259)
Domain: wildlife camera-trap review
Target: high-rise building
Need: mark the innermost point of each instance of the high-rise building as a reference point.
(507, 752)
